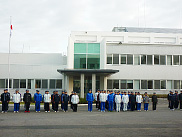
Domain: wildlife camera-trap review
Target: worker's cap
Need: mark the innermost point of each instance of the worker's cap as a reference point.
(65, 91)
(121, 91)
(176, 91)
(46, 91)
(5, 90)
(145, 92)
(124, 91)
(53, 91)
(154, 93)
(17, 90)
(138, 92)
(170, 91)
(27, 89)
(132, 92)
(37, 90)
(128, 91)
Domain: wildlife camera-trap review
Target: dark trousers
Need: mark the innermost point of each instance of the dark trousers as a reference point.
(172, 105)
(27, 106)
(176, 103)
(180, 104)
(135, 106)
(56, 106)
(154, 105)
(106, 105)
(74, 107)
(62, 106)
(114, 105)
(65, 106)
(97, 104)
(132, 106)
(52, 106)
(46, 106)
(4, 106)
(71, 105)
(169, 105)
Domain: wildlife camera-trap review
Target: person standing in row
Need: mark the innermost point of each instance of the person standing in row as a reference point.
(125, 101)
(180, 100)
(38, 100)
(146, 101)
(16, 100)
(75, 101)
(139, 101)
(90, 99)
(27, 98)
(129, 105)
(110, 99)
(121, 101)
(98, 99)
(118, 101)
(168, 98)
(47, 101)
(115, 93)
(71, 106)
(107, 104)
(95, 97)
(154, 101)
(132, 100)
(56, 100)
(135, 101)
(172, 100)
(5, 98)
(65, 101)
(176, 102)
(52, 101)
(103, 101)
(62, 104)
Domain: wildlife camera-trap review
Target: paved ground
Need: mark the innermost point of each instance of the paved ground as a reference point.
(161, 123)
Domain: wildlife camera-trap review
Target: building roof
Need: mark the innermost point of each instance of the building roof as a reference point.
(147, 30)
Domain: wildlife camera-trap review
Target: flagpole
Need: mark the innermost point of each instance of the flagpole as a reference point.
(9, 55)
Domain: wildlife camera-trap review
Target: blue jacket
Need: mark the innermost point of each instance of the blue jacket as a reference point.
(110, 98)
(172, 97)
(90, 97)
(37, 97)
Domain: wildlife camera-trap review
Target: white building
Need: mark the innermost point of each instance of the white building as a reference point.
(126, 59)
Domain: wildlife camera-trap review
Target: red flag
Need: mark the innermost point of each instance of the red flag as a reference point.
(11, 27)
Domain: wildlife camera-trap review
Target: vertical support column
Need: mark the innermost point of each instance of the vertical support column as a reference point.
(70, 84)
(93, 83)
(105, 83)
(82, 85)
(67, 83)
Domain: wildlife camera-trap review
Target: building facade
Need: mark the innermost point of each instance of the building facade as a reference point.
(125, 59)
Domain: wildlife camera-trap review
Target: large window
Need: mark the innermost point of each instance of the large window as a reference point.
(2, 83)
(143, 84)
(87, 56)
(149, 59)
(16, 83)
(22, 83)
(163, 84)
(130, 59)
(109, 84)
(162, 60)
(137, 84)
(123, 59)
(115, 58)
(129, 84)
(169, 59)
(176, 84)
(123, 84)
(55, 84)
(169, 84)
(58, 84)
(37, 83)
(44, 83)
(10, 83)
(143, 59)
(156, 84)
(115, 84)
(180, 59)
(175, 59)
(136, 59)
(150, 84)
(109, 58)
(156, 59)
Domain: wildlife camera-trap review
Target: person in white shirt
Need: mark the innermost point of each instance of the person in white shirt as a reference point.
(102, 99)
(125, 100)
(47, 101)
(75, 101)
(118, 101)
(16, 100)
(139, 101)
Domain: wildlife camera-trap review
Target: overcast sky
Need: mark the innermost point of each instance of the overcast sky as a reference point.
(43, 26)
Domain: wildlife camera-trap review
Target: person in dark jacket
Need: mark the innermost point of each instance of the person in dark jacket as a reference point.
(62, 104)
(135, 100)
(176, 102)
(168, 98)
(52, 100)
(154, 101)
(5, 98)
(66, 101)
(132, 101)
(56, 99)
(98, 100)
(27, 98)
(180, 100)
(172, 100)
(71, 106)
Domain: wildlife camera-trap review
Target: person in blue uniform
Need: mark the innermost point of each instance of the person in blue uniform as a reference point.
(110, 99)
(90, 99)
(168, 98)
(56, 99)
(176, 102)
(5, 98)
(172, 100)
(65, 101)
(62, 104)
(38, 100)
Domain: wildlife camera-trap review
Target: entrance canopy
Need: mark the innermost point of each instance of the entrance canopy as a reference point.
(98, 72)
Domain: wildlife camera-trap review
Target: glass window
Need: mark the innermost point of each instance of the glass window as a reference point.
(162, 60)
(80, 48)
(123, 59)
(163, 84)
(109, 58)
(156, 59)
(37, 83)
(169, 84)
(93, 48)
(136, 59)
(136, 84)
(130, 59)
(10, 83)
(149, 59)
(93, 61)
(109, 84)
(150, 84)
(52, 83)
(115, 84)
(115, 58)
(58, 84)
(29, 84)
(16, 83)
(80, 61)
(129, 84)
(156, 84)
(143, 59)
(143, 84)
(22, 83)
(44, 83)
(175, 59)
(123, 84)
(2, 83)
(169, 59)
(180, 59)
(181, 84)
(176, 84)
